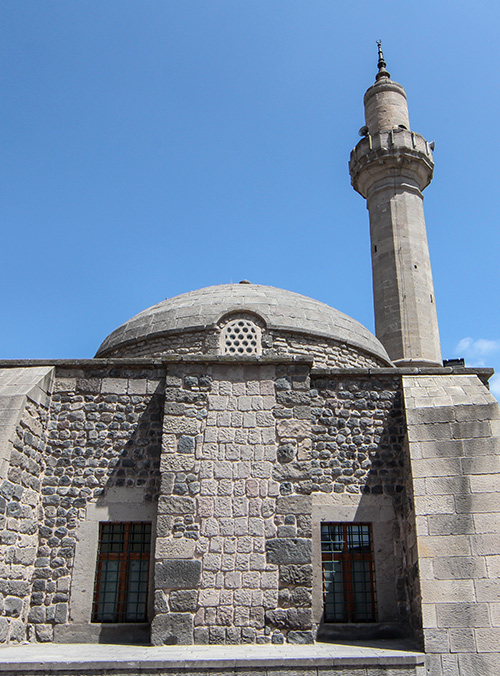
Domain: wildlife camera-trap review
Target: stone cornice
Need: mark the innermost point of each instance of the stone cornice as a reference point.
(157, 361)
(483, 373)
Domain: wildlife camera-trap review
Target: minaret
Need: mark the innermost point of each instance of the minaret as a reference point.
(390, 167)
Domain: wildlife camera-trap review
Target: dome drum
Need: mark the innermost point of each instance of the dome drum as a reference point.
(246, 320)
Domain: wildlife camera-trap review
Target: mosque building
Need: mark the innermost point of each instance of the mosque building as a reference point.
(243, 464)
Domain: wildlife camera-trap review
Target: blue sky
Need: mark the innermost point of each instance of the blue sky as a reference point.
(150, 148)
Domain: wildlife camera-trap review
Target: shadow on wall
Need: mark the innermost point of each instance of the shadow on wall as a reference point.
(358, 432)
(98, 444)
(137, 463)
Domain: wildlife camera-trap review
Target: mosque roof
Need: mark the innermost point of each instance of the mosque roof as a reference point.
(279, 309)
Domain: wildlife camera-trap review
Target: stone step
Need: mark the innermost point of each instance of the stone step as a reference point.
(320, 659)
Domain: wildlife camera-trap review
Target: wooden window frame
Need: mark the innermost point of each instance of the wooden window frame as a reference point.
(346, 557)
(124, 557)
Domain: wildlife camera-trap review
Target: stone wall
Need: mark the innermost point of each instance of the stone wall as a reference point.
(188, 342)
(358, 430)
(326, 353)
(246, 460)
(20, 509)
(104, 430)
(24, 400)
(405, 542)
(233, 554)
(358, 433)
(244, 449)
(454, 448)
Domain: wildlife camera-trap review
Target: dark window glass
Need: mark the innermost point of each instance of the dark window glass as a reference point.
(348, 578)
(121, 582)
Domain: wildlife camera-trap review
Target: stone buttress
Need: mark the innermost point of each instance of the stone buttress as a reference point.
(228, 535)
(454, 451)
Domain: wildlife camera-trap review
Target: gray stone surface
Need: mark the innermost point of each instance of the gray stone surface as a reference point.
(172, 629)
(234, 511)
(279, 309)
(117, 446)
(183, 601)
(238, 463)
(24, 398)
(177, 574)
(458, 583)
(390, 167)
(293, 504)
(288, 550)
(235, 526)
(322, 659)
(186, 444)
(302, 637)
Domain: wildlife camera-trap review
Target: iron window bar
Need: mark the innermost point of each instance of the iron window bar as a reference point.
(122, 572)
(348, 572)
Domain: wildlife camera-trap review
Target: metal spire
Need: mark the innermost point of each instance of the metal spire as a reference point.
(382, 66)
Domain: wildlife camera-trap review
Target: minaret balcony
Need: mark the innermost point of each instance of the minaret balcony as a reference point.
(398, 154)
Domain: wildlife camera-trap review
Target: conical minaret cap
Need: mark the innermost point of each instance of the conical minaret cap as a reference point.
(385, 102)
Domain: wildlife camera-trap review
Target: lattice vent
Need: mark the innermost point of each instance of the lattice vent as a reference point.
(241, 337)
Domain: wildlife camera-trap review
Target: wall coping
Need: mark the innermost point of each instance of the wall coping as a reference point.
(483, 373)
(157, 361)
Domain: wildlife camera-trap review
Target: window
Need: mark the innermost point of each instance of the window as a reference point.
(241, 336)
(121, 582)
(348, 578)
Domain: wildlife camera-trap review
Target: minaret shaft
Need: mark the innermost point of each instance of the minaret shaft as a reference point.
(405, 310)
(390, 167)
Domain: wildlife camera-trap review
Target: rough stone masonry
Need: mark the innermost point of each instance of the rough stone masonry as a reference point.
(243, 464)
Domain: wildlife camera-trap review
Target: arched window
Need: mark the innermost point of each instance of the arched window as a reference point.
(241, 335)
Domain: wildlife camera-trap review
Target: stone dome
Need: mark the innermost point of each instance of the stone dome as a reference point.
(278, 311)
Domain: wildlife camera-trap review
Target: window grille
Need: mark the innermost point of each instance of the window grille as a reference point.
(121, 582)
(241, 336)
(348, 575)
